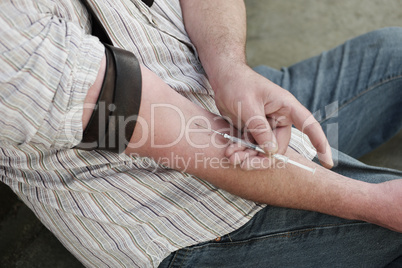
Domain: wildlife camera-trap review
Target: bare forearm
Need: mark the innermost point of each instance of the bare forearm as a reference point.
(167, 133)
(218, 30)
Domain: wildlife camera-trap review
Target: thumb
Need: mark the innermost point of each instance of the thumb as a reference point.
(260, 130)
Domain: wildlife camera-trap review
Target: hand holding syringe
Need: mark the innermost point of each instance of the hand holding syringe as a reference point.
(257, 148)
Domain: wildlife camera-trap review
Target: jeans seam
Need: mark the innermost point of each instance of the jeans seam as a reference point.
(183, 258)
(370, 88)
(287, 234)
(173, 260)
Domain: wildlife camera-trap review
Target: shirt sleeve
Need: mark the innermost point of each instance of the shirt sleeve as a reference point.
(47, 65)
(301, 143)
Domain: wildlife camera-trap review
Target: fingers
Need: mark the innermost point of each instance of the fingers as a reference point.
(260, 130)
(247, 159)
(306, 123)
(282, 135)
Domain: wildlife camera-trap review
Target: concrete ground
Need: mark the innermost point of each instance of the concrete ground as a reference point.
(283, 32)
(280, 33)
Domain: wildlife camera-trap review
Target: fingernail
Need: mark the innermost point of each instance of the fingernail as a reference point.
(331, 163)
(329, 157)
(326, 160)
(270, 146)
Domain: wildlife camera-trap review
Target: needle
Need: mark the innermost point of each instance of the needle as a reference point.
(257, 148)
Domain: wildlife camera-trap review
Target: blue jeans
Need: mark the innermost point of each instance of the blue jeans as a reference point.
(354, 90)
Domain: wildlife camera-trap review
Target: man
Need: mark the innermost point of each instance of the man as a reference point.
(112, 209)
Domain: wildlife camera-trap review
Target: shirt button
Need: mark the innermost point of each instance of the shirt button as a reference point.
(218, 239)
(154, 22)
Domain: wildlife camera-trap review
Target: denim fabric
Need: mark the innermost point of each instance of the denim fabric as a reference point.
(354, 91)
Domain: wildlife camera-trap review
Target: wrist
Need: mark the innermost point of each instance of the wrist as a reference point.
(227, 72)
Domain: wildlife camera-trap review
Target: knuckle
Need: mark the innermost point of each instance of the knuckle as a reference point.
(259, 126)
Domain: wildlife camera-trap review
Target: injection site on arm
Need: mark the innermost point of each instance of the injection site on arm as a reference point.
(257, 148)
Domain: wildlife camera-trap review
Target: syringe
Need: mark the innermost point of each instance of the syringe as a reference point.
(257, 148)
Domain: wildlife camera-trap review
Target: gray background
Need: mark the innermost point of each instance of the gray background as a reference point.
(280, 33)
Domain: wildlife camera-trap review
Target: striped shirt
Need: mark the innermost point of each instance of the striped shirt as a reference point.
(109, 210)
